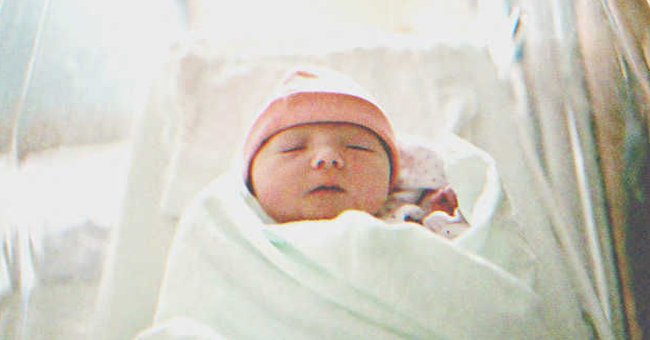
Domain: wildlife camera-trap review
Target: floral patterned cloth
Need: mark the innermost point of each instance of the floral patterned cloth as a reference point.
(423, 195)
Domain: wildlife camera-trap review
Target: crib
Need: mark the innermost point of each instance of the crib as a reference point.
(89, 216)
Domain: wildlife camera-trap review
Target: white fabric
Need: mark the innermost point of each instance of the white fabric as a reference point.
(56, 211)
(198, 112)
(351, 277)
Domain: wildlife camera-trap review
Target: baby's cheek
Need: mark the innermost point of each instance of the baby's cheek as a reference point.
(372, 198)
(280, 205)
(371, 178)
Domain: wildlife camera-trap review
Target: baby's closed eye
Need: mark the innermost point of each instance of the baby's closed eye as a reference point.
(294, 148)
(360, 147)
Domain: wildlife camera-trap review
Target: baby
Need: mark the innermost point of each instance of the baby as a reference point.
(323, 146)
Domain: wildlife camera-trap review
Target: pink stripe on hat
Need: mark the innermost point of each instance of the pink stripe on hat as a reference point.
(333, 89)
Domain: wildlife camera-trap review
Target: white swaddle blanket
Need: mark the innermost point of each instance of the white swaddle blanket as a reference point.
(232, 273)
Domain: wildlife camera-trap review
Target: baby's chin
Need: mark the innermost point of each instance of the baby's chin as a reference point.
(317, 214)
(313, 216)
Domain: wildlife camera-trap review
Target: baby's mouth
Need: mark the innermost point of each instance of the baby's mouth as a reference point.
(327, 189)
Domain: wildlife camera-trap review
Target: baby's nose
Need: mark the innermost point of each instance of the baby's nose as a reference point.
(326, 158)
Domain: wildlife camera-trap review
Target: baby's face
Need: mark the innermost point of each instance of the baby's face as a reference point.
(316, 171)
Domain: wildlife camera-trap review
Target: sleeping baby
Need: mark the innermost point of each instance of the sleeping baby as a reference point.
(322, 159)
(322, 146)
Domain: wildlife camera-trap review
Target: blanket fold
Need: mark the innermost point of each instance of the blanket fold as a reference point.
(351, 277)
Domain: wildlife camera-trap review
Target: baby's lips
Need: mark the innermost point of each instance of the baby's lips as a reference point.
(327, 187)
